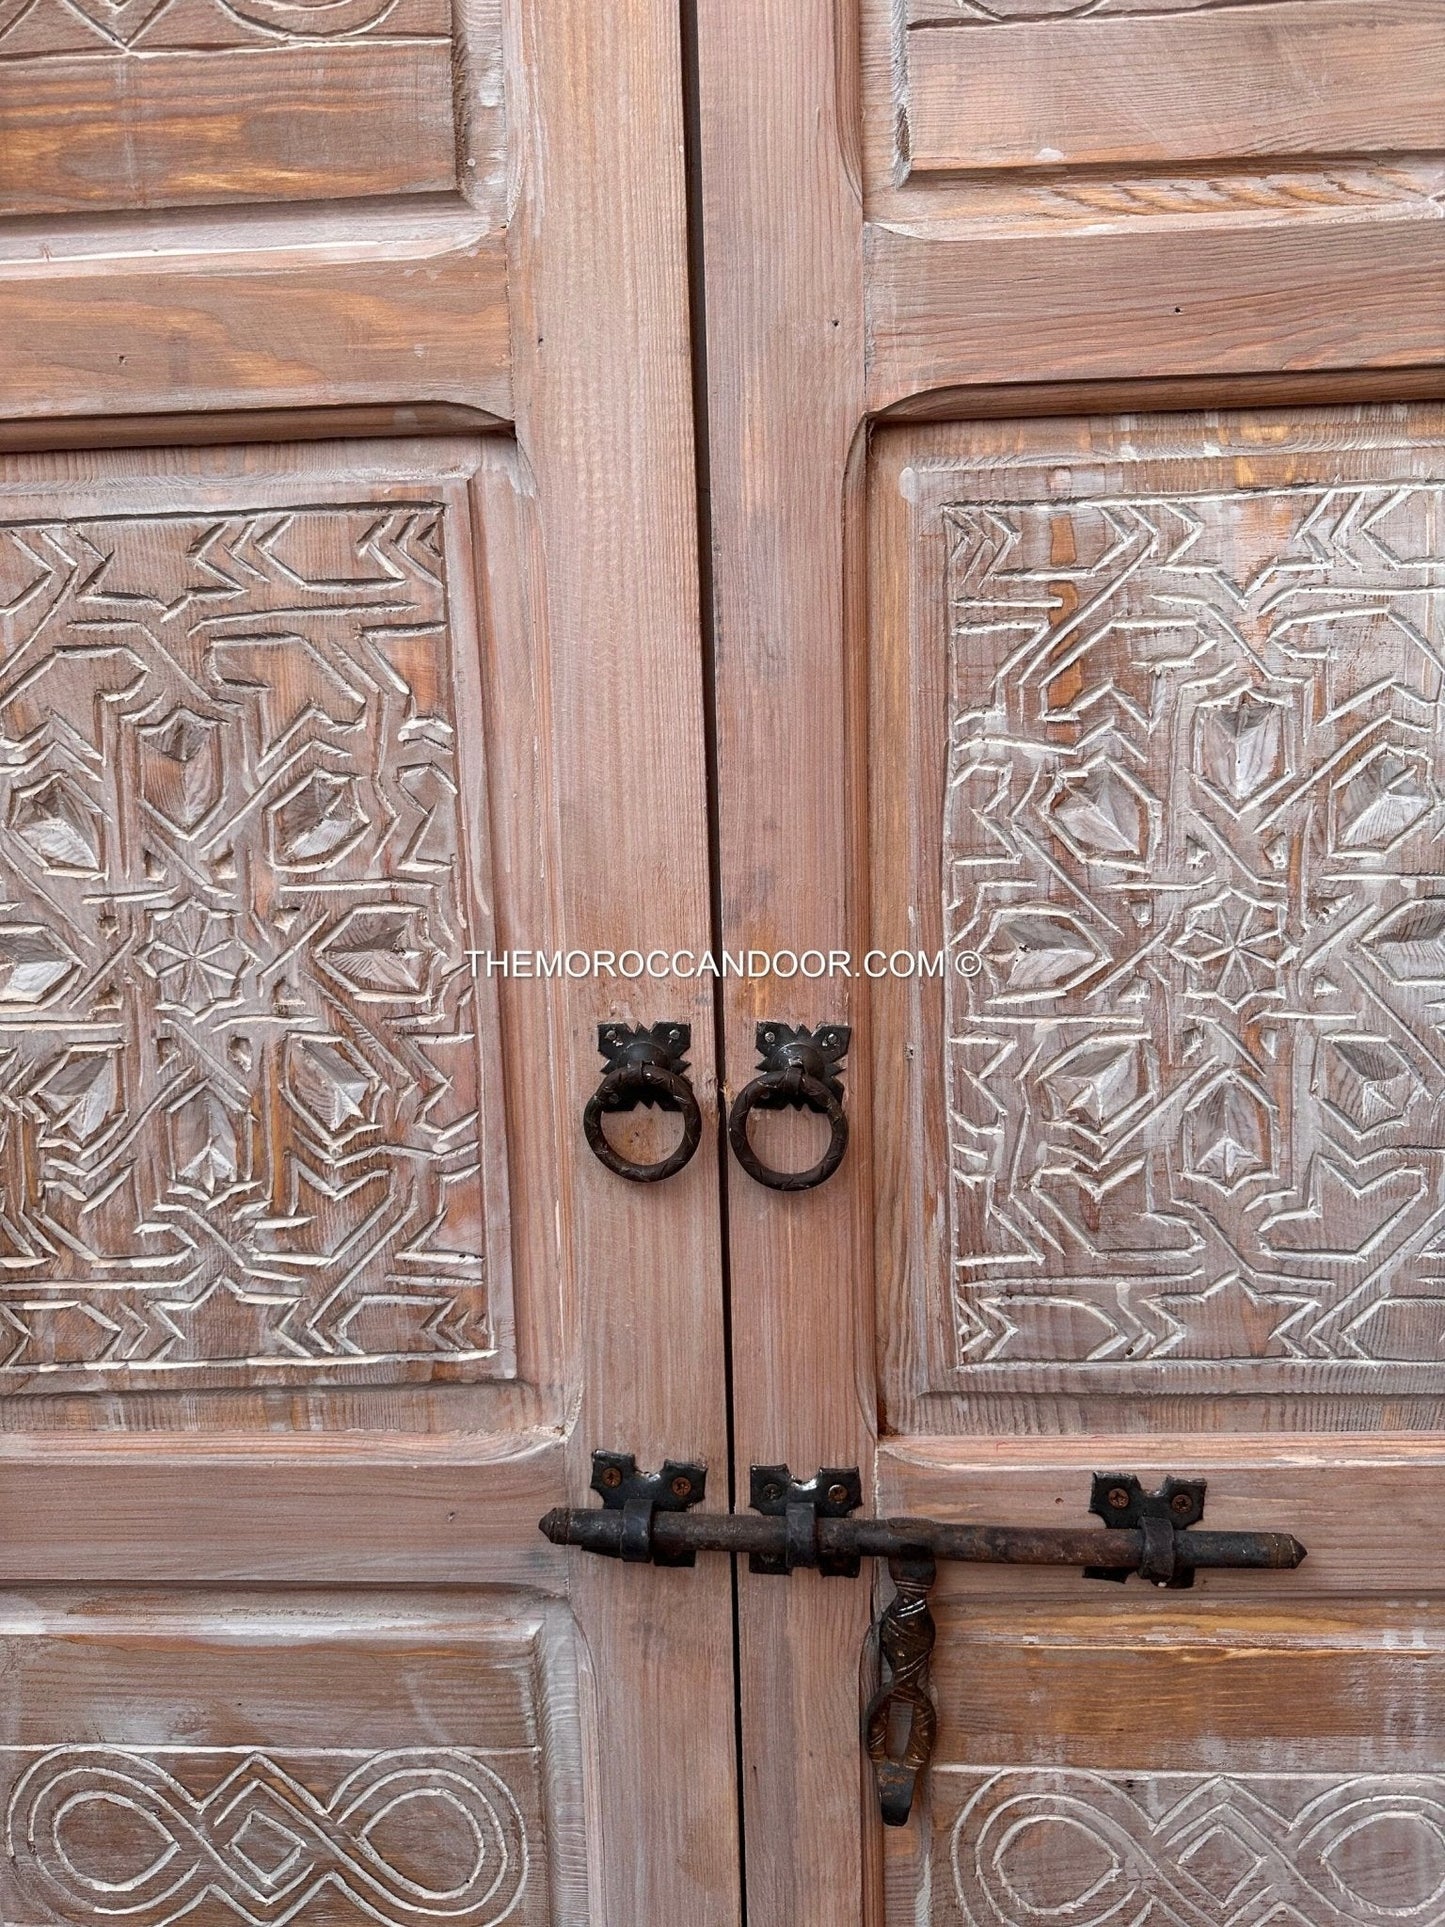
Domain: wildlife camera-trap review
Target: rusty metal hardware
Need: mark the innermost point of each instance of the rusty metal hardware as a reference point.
(800, 1070)
(643, 1067)
(831, 1493)
(632, 1499)
(901, 1723)
(809, 1523)
(1159, 1517)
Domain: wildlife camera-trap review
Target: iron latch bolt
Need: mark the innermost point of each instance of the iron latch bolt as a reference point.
(650, 1516)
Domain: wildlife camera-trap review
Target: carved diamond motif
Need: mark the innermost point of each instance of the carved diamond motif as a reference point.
(1381, 801)
(181, 767)
(380, 951)
(59, 825)
(1028, 1844)
(1102, 814)
(1195, 755)
(332, 1084)
(243, 1125)
(318, 820)
(33, 963)
(1241, 747)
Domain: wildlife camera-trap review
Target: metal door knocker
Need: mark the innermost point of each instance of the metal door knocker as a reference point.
(801, 1070)
(643, 1067)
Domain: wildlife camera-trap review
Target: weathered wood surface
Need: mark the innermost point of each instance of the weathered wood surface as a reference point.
(1251, 227)
(412, 1303)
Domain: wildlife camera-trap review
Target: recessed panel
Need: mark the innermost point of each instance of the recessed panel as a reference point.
(1178, 709)
(250, 1127)
(180, 103)
(1032, 115)
(1117, 86)
(248, 1762)
(1198, 1768)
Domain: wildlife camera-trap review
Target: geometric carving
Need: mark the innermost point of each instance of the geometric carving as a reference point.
(1193, 828)
(116, 27)
(1194, 1849)
(999, 10)
(413, 1835)
(242, 1114)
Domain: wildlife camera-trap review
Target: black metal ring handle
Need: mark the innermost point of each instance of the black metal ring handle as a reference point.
(801, 1070)
(643, 1067)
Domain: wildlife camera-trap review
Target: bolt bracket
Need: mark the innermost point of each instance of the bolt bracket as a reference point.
(1122, 1503)
(832, 1493)
(638, 1496)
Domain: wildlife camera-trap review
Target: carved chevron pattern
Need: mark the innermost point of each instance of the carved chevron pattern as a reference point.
(1035, 1846)
(239, 1035)
(153, 1837)
(1193, 827)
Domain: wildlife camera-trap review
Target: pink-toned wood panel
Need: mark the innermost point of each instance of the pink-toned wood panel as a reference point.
(1303, 77)
(1375, 1540)
(1177, 777)
(1158, 300)
(1194, 1766)
(261, 1760)
(253, 1122)
(363, 320)
(320, 122)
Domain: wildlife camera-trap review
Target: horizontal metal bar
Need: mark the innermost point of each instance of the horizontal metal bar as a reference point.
(1105, 1549)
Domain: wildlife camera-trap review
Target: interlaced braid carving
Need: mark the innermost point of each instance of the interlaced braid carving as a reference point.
(901, 1724)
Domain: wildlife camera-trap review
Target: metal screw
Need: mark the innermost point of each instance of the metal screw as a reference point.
(839, 1494)
(612, 1477)
(681, 1486)
(1117, 1497)
(772, 1491)
(1181, 1503)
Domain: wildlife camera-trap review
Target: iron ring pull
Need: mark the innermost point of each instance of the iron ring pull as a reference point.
(802, 1070)
(643, 1067)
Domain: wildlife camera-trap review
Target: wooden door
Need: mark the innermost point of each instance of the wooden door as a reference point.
(1076, 483)
(348, 596)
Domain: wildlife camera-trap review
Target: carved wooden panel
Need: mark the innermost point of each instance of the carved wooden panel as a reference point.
(132, 104)
(1141, 1761)
(1031, 1845)
(1186, 740)
(1027, 111)
(249, 1129)
(385, 1765)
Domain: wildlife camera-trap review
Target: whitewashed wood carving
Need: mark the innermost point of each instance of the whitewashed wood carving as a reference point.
(1059, 1845)
(1196, 1098)
(241, 868)
(151, 1837)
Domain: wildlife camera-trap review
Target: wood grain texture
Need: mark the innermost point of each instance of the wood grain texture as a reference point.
(1227, 185)
(281, 328)
(327, 123)
(604, 423)
(247, 1507)
(189, 103)
(1117, 305)
(1321, 1799)
(1326, 77)
(253, 1126)
(321, 1758)
(970, 1050)
(781, 240)
(219, 427)
(1281, 1482)
(258, 316)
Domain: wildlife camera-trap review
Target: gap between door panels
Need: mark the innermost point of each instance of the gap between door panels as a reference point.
(697, 326)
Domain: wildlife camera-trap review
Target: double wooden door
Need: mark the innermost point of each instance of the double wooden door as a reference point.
(1048, 391)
